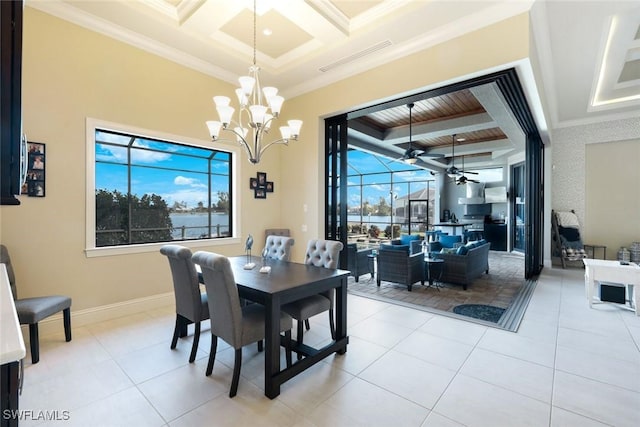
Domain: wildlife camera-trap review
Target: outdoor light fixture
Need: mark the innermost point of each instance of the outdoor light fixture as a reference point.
(258, 108)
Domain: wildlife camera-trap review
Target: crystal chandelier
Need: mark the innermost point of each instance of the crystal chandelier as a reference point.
(259, 107)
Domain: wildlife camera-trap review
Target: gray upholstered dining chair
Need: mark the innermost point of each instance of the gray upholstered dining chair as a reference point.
(32, 310)
(320, 253)
(285, 232)
(278, 247)
(235, 324)
(191, 304)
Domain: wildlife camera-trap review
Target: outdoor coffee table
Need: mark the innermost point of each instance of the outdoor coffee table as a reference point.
(433, 270)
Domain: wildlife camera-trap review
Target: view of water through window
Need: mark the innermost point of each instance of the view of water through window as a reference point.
(150, 190)
(387, 197)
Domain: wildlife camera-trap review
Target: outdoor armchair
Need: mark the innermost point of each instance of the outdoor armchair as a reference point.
(396, 265)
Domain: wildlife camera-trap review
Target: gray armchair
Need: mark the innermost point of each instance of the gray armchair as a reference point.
(236, 325)
(358, 261)
(191, 304)
(278, 247)
(396, 265)
(32, 310)
(321, 253)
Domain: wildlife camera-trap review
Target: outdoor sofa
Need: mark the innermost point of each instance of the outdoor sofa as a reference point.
(463, 264)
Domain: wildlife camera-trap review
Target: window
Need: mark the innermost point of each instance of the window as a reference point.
(151, 189)
(388, 197)
(488, 175)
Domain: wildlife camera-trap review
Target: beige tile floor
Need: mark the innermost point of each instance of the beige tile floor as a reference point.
(568, 365)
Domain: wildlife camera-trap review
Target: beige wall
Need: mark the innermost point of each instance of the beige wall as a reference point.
(71, 73)
(612, 202)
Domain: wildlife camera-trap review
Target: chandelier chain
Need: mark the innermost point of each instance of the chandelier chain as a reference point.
(259, 115)
(254, 31)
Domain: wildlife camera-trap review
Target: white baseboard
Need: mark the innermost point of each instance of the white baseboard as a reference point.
(88, 316)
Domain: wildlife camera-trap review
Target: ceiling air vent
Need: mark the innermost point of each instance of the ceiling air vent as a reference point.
(357, 55)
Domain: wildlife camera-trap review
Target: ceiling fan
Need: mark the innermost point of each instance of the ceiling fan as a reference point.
(452, 171)
(411, 154)
(463, 179)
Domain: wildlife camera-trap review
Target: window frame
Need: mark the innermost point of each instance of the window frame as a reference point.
(90, 201)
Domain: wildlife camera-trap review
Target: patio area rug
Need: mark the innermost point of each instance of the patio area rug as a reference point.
(504, 288)
(490, 313)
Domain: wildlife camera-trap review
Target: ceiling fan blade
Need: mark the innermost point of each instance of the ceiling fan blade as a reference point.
(433, 155)
(472, 173)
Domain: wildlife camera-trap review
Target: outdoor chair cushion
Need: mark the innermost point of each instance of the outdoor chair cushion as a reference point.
(406, 239)
(448, 241)
(402, 248)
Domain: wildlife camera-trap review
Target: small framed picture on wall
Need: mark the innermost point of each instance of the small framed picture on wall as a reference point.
(36, 166)
(260, 193)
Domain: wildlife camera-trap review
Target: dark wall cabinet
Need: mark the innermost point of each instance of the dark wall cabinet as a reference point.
(10, 100)
(496, 234)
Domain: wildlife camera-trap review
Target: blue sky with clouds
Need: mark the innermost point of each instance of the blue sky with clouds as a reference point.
(177, 173)
(376, 178)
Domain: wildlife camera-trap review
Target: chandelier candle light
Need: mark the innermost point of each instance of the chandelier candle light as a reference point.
(258, 108)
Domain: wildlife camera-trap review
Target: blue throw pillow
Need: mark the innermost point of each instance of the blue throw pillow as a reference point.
(462, 250)
(406, 239)
(448, 241)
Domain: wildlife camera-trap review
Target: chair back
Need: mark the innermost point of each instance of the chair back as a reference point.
(278, 247)
(224, 301)
(186, 287)
(323, 253)
(6, 260)
(276, 232)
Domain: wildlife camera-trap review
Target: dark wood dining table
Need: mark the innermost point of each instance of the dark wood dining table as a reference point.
(287, 282)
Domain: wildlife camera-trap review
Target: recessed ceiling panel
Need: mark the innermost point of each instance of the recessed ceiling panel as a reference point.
(618, 78)
(630, 71)
(351, 8)
(173, 3)
(285, 35)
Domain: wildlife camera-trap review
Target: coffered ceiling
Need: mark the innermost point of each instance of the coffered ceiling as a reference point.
(311, 43)
(588, 56)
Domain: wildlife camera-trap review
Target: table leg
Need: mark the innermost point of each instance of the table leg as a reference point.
(272, 348)
(431, 279)
(372, 267)
(341, 312)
